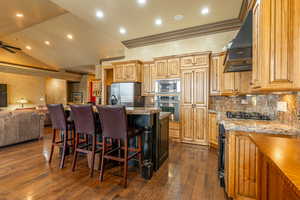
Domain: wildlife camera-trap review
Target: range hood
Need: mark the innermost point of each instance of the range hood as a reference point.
(239, 52)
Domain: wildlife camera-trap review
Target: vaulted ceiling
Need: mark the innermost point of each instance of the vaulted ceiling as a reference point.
(94, 38)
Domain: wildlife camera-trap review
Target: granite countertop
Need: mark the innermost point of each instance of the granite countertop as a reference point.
(163, 115)
(268, 127)
(284, 153)
(142, 110)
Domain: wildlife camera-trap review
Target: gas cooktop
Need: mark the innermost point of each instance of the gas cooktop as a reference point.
(247, 115)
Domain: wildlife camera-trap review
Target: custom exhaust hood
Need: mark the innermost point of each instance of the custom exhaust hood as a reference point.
(239, 52)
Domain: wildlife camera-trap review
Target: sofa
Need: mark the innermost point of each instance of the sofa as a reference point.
(20, 126)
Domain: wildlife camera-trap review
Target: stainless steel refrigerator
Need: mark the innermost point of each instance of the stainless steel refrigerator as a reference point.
(128, 94)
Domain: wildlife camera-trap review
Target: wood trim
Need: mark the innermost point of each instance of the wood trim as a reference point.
(218, 54)
(127, 62)
(244, 10)
(28, 66)
(183, 55)
(148, 62)
(111, 59)
(196, 31)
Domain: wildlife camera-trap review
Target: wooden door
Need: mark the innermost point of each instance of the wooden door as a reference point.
(201, 60)
(281, 65)
(245, 167)
(200, 86)
(213, 129)
(243, 82)
(187, 115)
(146, 84)
(173, 68)
(200, 125)
(187, 61)
(227, 84)
(187, 81)
(161, 69)
(119, 73)
(130, 72)
(215, 73)
(152, 80)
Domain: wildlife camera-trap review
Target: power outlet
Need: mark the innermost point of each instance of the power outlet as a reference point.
(282, 106)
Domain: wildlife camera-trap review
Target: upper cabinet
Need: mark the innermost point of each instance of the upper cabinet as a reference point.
(148, 76)
(167, 67)
(276, 46)
(196, 60)
(129, 71)
(216, 67)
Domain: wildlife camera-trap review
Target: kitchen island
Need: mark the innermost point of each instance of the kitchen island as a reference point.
(278, 167)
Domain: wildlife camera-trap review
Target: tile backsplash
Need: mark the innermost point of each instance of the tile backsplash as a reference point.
(265, 104)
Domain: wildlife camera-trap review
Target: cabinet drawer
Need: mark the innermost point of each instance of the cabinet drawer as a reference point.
(187, 61)
(201, 60)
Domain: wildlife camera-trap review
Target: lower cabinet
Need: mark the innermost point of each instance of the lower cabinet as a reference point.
(162, 142)
(194, 124)
(213, 130)
(240, 166)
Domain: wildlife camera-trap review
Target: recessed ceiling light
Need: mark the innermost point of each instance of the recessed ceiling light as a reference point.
(69, 36)
(20, 15)
(28, 47)
(122, 30)
(204, 11)
(47, 43)
(158, 21)
(178, 17)
(99, 14)
(142, 2)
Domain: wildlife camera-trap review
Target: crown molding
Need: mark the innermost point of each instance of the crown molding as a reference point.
(196, 31)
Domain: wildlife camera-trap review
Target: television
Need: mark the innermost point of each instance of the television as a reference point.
(3, 95)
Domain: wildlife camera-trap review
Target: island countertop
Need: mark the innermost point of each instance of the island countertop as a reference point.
(284, 153)
(142, 110)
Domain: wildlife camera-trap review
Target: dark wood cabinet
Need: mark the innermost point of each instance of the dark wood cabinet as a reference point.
(3, 95)
(162, 142)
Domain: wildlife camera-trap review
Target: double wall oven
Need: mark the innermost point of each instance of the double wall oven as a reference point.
(167, 96)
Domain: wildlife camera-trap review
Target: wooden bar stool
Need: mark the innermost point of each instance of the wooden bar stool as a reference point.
(60, 123)
(84, 119)
(114, 126)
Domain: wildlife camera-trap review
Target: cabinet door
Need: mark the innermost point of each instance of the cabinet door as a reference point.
(281, 47)
(161, 69)
(215, 70)
(187, 61)
(213, 129)
(257, 47)
(118, 73)
(201, 60)
(243, 82)
(227, 84)
(173, 68)
(245, 167)
(187, 114)
(130, 72)
(200, 125)
(200, 86)
(187, 81)
(152, 80)
(146, 84)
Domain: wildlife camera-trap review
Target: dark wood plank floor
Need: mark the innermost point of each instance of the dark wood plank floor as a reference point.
(190, 173)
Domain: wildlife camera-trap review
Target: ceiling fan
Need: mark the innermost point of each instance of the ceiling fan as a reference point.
(9, 48)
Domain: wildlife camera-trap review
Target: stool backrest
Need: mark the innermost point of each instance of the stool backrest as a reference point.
(57, 116)
(84, 119)
(113, 121)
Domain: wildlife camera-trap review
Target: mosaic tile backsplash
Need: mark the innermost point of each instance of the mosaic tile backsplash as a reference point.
(265, 104)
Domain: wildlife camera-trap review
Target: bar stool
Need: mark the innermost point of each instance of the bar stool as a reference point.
(114, 125)
(60, 123)
(84, 119)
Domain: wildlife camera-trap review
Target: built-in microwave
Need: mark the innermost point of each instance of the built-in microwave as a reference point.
(167, 86)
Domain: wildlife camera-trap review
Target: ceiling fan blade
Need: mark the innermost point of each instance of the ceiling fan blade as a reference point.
(7, 49)
(12, 47)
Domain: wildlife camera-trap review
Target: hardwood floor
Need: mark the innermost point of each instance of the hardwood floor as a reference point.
(189, 173)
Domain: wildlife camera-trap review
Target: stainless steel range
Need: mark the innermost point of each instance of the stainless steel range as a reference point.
(167, 96)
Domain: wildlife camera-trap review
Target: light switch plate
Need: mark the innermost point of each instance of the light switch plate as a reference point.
(282, 106)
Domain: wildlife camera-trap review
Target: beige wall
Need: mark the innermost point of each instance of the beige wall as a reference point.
(214, 43)
(31, 88)
(56, 91)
